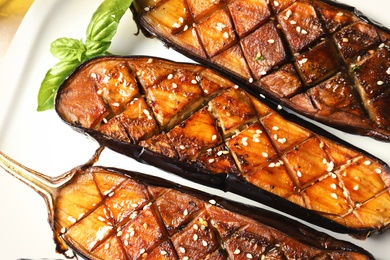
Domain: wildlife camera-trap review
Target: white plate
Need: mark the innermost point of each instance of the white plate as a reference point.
(44, 143)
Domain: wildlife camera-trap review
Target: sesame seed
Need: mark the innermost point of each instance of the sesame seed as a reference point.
(176, 25)
(333, 186)
(150, 60)
(181, 19)
(249, 256)
(282, 140)
(388, 71)
(237, 251)
(250, 80)
(182, 249)
(214, 137)
(262, 96)
(244, 141)
(119, 233)
(304, 31)
(182, 147)
(132, 232)
(106, 246)
(102, 219)
(302, 61)
(115, 104)
(220, 26)
(71, 219)
(288, 14)
(185, 258)
(258, 131)
(204, 243)
(298, 29)
(367, 162)
(134, 205)
(147, 9)
(195, 237)
(174, 85)
(213, 202)
(345, 39)
(126, 243)
(264, 154)
(279, 107)
(356, 187)
(142, 251)
(271, 41)
(63, 230)
(163, 252)
(334, 195)
(382, 45)
(276, 3)
(377, 170)
(185, 28)
(194, 81)
(225, 35)
(275, 137)
(271, 165)
(293, 22)
(211, 160)
(330, 166)
(195, 226)
(185, 213)
(256, 139)
(235, 86)
(340, 14)
(299, 174)
(170, 76)
(263, 72)
(275, 128)
(380, 83)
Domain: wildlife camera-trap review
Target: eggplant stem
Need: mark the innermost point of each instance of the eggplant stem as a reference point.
(44, 185)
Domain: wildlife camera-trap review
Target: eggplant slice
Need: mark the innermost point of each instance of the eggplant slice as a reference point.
(107, 213)
(188, 120)
(321, 59)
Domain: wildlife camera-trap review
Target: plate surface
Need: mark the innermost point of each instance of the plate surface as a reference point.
(42, 142)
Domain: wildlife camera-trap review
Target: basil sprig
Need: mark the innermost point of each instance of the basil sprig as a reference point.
(71, 52)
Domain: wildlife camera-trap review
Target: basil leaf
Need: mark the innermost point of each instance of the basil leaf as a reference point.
(68, 49)
(103, 25)
(96, 48)
(52, 80)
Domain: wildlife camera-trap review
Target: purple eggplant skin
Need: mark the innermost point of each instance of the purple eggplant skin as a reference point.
(364, 127)
(227, 181)
(296, 230)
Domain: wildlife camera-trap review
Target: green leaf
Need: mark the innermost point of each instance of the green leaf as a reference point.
(95, 48)
(52, 80)
(103, 25)
(67, 49)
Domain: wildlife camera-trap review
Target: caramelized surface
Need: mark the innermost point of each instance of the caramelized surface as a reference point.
(121, 218)
(288, 49)
(232, 132)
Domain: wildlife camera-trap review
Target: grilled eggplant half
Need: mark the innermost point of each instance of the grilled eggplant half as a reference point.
(188, 120)
(324, 60)
(106, 213)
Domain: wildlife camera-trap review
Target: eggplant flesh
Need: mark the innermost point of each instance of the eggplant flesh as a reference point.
(110, 213)
(188, 120)
(322, 59)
